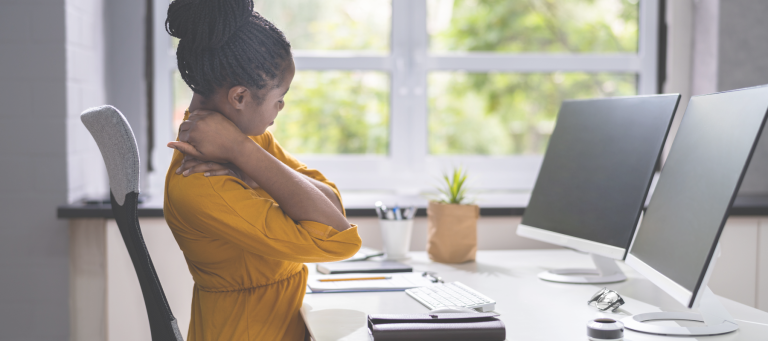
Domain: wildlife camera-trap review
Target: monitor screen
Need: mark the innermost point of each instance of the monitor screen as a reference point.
(598, 167)
(698, 183)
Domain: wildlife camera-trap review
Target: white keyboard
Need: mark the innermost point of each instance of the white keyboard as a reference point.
(451, 294)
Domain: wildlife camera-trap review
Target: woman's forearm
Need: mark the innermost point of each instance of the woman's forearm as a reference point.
(296, 194)
(327, 191)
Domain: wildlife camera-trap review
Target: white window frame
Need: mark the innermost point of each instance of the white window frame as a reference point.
(408, 168)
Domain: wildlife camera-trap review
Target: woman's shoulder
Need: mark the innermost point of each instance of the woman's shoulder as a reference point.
(197, 192)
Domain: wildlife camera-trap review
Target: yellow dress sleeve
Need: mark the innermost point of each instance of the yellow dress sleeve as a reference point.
(224, 207)
(271, 145)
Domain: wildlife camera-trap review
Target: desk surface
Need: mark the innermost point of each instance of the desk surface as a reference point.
(530, 308)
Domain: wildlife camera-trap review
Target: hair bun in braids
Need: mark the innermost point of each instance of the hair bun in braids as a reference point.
(206, 23)
(225, 43)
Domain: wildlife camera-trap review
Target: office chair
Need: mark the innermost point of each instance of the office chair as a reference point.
(118, 147)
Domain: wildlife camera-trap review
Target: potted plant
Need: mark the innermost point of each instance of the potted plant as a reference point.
(452, 226)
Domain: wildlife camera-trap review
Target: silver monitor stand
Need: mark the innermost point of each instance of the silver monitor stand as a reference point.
(606, 271)
(711, 312)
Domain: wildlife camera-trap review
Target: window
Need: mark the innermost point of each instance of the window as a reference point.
(389, 93)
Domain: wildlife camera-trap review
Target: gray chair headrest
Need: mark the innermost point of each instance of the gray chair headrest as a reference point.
(118, 147)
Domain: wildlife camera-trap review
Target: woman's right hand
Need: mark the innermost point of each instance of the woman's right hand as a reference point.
(209, 136)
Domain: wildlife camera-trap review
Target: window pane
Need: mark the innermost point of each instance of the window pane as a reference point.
(182, 95)
(331, 24)
(335, 112)
(506, 113)
(574, 26)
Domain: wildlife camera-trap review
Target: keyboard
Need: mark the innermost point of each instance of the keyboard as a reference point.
(451, 294)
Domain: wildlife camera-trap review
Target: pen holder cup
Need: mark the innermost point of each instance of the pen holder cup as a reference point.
(396, 237)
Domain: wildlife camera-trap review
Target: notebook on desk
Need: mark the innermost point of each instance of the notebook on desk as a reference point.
(394, 282)
(362, 267)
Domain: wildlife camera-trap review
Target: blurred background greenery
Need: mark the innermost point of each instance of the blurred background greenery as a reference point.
(347, 112)
(575, 26)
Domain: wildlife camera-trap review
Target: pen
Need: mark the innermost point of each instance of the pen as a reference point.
(353, 279)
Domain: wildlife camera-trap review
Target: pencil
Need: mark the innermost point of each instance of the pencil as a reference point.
(353, 279)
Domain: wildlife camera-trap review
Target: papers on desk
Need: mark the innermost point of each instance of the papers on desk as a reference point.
(396, 282)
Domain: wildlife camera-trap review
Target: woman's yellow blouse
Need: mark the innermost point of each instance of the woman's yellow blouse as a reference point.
(245, 254)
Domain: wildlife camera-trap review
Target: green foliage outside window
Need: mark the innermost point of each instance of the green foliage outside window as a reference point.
(571, 26)
(331, 24)
(335, 112)
(506, 113)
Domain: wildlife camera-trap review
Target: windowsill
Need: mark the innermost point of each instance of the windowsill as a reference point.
(360, 204)
(366, 200)
(357, 204)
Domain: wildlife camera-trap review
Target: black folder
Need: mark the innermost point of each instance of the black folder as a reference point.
(440, 326)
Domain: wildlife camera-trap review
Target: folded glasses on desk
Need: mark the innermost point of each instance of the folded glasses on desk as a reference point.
(432, 276)
(606, 299)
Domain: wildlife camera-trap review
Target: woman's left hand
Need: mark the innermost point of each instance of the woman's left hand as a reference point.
(191, 166)
(209, 136)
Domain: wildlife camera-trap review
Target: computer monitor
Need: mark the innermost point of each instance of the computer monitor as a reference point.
(676, 244)
(593, 181)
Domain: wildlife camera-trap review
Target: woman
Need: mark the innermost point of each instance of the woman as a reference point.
(246, 214)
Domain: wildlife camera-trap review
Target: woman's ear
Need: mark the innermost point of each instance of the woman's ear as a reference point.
(237, 96)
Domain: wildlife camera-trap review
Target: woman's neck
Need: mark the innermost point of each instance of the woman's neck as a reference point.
(200, 102)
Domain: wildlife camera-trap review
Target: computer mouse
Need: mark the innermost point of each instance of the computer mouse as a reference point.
(453, 309)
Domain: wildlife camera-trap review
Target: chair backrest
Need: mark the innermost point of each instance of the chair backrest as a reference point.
(118, 147)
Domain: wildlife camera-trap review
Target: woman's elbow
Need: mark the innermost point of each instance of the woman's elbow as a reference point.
(349, 248)
(350, 251)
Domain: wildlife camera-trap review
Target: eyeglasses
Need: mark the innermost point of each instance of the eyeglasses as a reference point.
(432, 276)
(606, 299)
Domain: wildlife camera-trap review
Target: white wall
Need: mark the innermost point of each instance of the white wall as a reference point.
(706, 37)
(680, 23)
(105, 65)
(86, 58)
(736, 270)
(743, 62)
(34, 269)
(125, 73)
(125, 311)
(86, 173)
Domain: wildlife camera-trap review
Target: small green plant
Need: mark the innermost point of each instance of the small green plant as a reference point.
(453, 188)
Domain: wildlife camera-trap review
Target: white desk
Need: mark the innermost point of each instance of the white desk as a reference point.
(530, 308)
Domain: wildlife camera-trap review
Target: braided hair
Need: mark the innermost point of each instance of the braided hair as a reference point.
(224, 43)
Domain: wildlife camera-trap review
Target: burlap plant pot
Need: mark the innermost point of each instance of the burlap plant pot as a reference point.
(452, 232)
